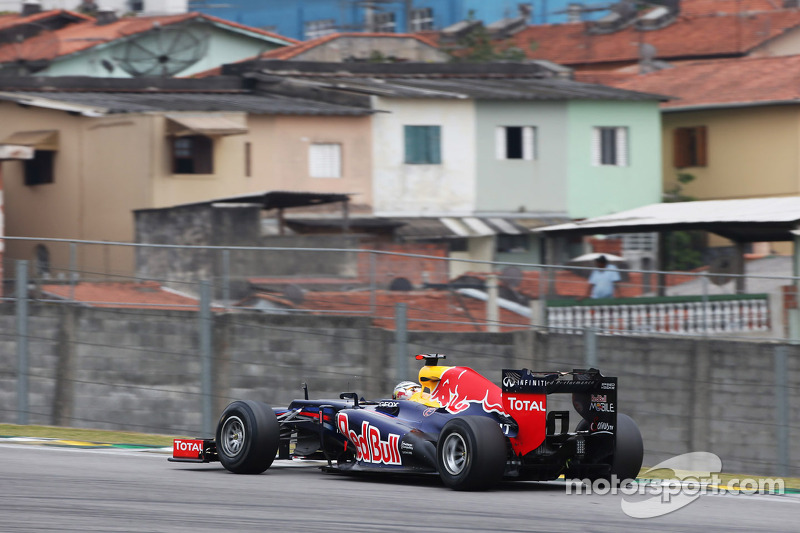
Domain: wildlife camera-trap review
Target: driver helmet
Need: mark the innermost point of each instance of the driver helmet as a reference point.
(405, 390)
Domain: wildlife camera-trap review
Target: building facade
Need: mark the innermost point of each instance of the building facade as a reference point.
(93, 167)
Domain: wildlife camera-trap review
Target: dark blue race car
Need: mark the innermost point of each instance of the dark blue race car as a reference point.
(459, 425)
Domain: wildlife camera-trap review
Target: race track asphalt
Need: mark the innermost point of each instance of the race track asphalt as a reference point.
(64, 489)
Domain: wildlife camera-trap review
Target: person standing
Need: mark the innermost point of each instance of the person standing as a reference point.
(602, 281)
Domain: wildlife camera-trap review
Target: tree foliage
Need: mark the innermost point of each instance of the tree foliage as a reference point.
(477, 46)
(684, 249)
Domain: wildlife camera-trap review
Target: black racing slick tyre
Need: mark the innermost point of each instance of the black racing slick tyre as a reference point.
(471, 453)
(628, 448)
(247, 437)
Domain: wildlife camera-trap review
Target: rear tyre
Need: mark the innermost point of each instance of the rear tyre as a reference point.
(471, 453)
(247, 437)
(628, 449)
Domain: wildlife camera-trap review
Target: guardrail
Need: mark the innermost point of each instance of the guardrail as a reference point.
(712, 314)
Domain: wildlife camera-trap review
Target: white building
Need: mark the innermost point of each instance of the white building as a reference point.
(121, 7)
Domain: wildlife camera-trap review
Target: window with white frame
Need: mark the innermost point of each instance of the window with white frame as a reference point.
(385, 23)
(610, 146)
(325, 160)
(515, 142)
(319, 28)
(421, 19)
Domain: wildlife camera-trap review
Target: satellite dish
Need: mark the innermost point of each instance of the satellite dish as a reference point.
(723, 264)
(511, 276)
(647, 52)
(163, 51)
(400, 284)
(27, 49)
(294, 294)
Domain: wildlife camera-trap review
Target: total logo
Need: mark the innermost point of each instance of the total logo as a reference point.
(188, 446)
(525, 405)
(369, 446)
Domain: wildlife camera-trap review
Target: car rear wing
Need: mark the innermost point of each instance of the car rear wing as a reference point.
(594, 396)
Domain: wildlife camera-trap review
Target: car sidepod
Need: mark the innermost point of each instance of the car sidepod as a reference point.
(398, 435)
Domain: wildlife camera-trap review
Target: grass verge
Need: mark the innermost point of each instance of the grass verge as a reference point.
(87, 435)
(729, 480)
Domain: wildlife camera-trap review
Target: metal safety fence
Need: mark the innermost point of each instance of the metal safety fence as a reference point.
(140, 349)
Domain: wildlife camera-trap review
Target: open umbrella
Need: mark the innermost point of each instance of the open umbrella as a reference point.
(588, 260)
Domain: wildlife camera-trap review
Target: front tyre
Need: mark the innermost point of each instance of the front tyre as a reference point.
(247, 437)
(471, 453)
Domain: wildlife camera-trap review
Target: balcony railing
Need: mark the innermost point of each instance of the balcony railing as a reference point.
(741, 313)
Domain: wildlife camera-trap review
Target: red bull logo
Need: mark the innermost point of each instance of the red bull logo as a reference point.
(460, 387)
(369, 446)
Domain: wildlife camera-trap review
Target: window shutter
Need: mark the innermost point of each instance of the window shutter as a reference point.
(423, 145)
(202, 152)
(500, 142)
(702, 150)
(622, 147)
(680, 148)
(597, 151)
(435, 142)
(325, 160)
(411, 148)
(528, 143)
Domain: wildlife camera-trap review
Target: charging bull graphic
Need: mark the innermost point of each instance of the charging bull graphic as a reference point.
(459, 388)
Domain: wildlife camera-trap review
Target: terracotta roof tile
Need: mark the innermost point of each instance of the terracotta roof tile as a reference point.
(146, 295)
(425, 310)
(710, 7)
(84, 35)
(701, 36)
(613, 78)
(723, 82)
(14, 19)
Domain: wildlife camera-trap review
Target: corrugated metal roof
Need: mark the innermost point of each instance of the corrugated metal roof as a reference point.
(754, 219)
(41, 139)
(276, 199)
(205, 124)
(481, 88)
(153, 101)
(455, 227)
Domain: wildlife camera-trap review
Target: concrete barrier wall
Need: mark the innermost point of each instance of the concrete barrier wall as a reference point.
(141, 370)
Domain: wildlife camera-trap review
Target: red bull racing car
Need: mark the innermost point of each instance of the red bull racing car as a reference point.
(459, 425)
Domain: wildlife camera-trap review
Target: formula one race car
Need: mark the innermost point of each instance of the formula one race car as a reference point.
(460, 425)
